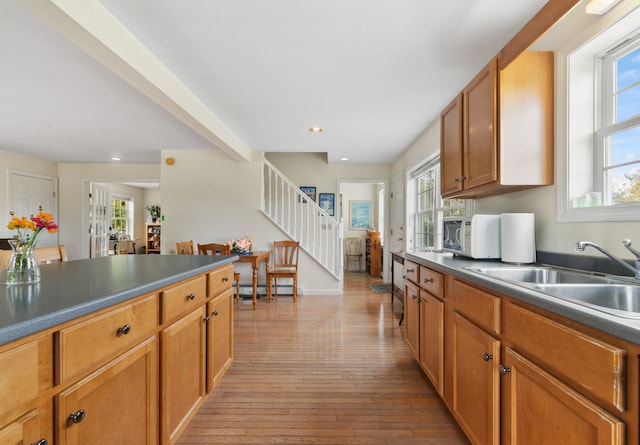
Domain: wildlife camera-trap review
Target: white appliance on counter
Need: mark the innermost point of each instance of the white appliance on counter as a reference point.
(475, 237)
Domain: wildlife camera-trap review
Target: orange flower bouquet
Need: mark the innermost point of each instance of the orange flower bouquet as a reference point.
(23, 267)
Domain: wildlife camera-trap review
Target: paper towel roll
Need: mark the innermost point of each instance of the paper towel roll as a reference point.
(517, 237)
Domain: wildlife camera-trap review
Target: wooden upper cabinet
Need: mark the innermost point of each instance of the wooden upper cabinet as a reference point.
(479, 139)
(451, 148)
(506, 130)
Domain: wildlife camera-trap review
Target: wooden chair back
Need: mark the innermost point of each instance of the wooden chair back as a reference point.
(285, 255)
(185, 248)
(214, 249)
(44, 255)
(125, 247)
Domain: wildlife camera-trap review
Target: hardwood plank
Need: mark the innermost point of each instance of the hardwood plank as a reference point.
(324, 370)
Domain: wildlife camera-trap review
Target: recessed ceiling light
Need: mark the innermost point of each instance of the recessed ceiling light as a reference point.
(315, 130)
(116, 158)
(344, 158)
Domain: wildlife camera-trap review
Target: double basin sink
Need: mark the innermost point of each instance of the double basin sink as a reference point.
(605, 293)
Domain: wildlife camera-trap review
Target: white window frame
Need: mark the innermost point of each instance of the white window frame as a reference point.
(468, 205)
(576, 115)
(130, 210)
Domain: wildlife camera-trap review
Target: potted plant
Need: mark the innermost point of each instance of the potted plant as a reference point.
(154, 211)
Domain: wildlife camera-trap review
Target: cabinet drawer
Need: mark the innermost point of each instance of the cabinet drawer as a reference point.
(586, 363)
(411, 271)
(432, 281)
(183, 298)
(220, 280)
(84, 346)
(481, 308)
(18, 377)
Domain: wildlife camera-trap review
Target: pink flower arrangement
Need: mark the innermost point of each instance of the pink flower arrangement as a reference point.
(242, 245)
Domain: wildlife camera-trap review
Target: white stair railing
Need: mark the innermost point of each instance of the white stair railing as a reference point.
(301, 219)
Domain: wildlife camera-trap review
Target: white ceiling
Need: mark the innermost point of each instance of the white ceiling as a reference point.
(238, 75)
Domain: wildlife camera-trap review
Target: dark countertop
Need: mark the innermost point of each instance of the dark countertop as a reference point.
(626, 328)
(75, 288)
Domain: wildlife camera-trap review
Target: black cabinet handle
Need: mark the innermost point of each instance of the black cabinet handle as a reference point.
(225, 279)
(486, 357)
(76, 417)
(40, 442)
(428, 280)
(214, 313)
(206, 319)
(124, 330)
(191, 296)
(504, 370)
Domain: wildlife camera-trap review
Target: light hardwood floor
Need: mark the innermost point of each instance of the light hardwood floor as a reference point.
(325, 370)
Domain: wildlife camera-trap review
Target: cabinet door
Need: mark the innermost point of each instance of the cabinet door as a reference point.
(432, 339)
(451, 148)
(116, 404)
(412, 318)
(475, 386)
(541, 409)
(480, 133)
(23, 431)
(220, 337)
(182, 371)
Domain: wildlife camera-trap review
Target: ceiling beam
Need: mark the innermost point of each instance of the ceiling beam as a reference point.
(90, 26)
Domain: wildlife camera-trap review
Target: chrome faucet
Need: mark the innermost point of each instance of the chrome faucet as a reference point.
(581, 245)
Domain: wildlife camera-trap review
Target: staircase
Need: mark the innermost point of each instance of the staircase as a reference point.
(301, 219)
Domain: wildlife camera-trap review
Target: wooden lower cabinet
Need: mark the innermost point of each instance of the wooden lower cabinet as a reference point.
(23, 431)
(475, 398)
(412, 318)
(220, 337)
(183, 371)
(539, 409)
(118, 403)
(432, 339)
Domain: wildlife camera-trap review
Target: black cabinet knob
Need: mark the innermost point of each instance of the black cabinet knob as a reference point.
(124, 330)
(76, 417)
(40, 442)
(191, 296)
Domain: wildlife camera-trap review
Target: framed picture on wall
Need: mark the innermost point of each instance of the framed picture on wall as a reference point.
(327, 202)
(360, 214)
(310, 192)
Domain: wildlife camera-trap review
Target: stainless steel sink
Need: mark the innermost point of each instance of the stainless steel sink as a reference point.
(619, 299)
(539, 275)
(599, 292)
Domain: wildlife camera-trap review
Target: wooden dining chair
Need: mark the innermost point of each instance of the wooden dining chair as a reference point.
(185, 248)
(353, 252)
(285, 265)
(220, 249)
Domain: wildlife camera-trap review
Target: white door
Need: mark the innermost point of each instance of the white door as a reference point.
(27, 194)
(99, 217)
(396, 211)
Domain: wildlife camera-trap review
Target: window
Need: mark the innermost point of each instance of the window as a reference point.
(429, 208)
(617, 139)
(598, 124)
(121, 216)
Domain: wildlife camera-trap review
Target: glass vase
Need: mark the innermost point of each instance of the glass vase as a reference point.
(23, 266)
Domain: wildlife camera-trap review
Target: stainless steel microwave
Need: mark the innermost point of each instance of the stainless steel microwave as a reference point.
(474, 237)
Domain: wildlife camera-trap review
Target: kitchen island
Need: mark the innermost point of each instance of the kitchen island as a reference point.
(119, 349)
(515, 365)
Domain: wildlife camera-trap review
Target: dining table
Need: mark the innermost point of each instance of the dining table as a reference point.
(254, 258)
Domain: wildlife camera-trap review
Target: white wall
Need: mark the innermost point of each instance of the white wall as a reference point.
(209, 198)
